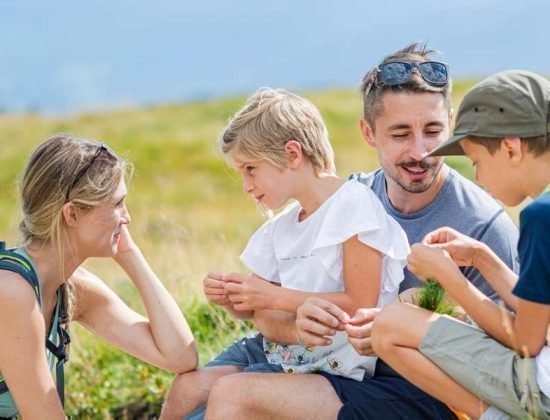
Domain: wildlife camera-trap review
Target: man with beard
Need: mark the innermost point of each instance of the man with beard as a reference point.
(407, 114)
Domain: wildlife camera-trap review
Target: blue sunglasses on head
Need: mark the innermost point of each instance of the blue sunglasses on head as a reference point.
(394, 73)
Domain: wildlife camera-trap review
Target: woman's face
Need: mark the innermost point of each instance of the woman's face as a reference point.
(99, 228)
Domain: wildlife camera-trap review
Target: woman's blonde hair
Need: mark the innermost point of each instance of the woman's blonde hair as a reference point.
(271, 118)
(65, 168)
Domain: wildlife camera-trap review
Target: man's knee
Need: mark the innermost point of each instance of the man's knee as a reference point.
(228, 397)
(186, 391)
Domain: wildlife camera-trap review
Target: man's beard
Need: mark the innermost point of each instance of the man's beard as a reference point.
(422, 185)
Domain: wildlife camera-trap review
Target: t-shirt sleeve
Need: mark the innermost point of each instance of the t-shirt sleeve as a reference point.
(360, 213)
(259, 254)
(534, 252)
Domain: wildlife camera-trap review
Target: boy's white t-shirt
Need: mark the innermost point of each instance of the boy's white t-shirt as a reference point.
(308, 256)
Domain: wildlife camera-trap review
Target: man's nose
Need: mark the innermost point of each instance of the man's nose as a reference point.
(419, 149)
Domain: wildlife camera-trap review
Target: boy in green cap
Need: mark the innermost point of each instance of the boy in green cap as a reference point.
(502, 368)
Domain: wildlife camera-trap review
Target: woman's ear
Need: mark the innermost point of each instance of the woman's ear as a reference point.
(71, 214)
(295, 153)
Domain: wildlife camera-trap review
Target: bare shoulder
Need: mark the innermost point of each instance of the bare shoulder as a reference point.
(19, 307)
(16, 292)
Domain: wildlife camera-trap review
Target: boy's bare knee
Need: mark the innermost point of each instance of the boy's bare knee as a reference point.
(384, 328)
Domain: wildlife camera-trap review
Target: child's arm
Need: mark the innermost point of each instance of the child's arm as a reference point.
(214, 290)
(525, 333)
(362, 272)
(466, 251)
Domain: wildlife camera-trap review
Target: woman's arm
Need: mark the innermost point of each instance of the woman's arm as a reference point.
(163, 339)
(362, 272)
(22, 354)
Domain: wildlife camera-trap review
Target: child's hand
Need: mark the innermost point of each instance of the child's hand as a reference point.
(430, 262)
(318, 319)
(214, 288)
(359, 330)
(461, 248)
(248, 292)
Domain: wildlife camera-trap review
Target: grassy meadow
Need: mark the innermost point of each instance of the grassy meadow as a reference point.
(188, 216)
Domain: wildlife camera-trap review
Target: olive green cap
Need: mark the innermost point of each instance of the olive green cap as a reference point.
(514, 103)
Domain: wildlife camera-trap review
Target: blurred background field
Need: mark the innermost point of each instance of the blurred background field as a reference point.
(188, 216)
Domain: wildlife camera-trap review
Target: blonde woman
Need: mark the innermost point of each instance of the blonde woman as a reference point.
(73, 204)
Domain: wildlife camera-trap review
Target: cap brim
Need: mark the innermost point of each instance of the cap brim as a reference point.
(450, 148)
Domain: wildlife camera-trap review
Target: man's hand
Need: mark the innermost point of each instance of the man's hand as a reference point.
(214, 288)
(249, 292)
(460, 247)
(359, 330)
(317, 320)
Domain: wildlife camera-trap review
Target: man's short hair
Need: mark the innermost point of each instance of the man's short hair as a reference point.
(373, 89)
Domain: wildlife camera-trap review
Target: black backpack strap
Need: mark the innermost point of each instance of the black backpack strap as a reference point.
(60, 352)
(19, 264)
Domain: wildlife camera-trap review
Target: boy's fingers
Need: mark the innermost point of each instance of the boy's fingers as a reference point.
(364, 315)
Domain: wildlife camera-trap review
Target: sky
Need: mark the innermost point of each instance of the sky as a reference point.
(64, 56)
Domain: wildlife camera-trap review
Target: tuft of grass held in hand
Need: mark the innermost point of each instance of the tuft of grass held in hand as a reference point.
(434, 298)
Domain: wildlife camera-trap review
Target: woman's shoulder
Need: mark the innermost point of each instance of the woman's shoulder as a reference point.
(16, 295)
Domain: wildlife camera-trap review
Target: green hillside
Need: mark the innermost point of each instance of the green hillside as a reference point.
(189, 216)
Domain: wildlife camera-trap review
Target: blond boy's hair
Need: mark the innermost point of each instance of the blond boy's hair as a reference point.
(271, 118)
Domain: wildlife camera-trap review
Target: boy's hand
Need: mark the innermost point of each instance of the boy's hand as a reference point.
(214, 288)
(430, 262)
(359, 330)
(248, 292)
(317, 320)
(460, 247)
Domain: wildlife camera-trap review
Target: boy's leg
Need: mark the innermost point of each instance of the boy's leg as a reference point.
(397, 343)
(457, 363)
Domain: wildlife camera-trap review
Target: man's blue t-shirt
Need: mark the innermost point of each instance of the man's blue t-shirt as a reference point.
(463, 206)
(534, 252)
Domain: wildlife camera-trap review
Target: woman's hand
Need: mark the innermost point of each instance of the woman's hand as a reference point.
(460, 247)
(249, 292)
(125, 243)
(430, 262)
(317, 320)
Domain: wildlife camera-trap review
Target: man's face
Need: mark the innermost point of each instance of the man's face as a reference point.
(410, 127)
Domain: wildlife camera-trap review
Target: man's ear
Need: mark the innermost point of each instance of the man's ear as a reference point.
(367, 132)
(71, 214)
(512, 147)
(294, 153)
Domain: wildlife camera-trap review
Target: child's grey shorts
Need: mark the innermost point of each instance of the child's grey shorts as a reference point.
(486, 368)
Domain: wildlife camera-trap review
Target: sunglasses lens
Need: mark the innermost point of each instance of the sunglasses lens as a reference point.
(433, 72)
(395, 73)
